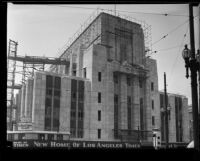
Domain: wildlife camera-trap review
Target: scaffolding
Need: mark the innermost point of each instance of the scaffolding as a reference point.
(11, 68)
(146, 30)
(33, 62)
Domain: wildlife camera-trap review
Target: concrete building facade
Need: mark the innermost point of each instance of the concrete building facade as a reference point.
(108, 92)
(190, 122)
(178, 118)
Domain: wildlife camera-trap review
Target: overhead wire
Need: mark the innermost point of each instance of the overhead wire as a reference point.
(160, 14)
(163, 37)
(181, 45)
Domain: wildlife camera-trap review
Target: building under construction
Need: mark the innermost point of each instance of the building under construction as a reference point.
(104, 90)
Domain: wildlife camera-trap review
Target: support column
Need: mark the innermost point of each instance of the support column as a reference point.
(28, 99)
(22, 111)
(136, 104)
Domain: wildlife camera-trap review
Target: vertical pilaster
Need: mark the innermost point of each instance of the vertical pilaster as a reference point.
(123, 101)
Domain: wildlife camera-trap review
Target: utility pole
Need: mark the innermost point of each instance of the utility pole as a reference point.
(166, 113)
(193, 80)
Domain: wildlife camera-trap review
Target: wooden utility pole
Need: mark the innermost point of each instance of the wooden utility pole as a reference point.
(193, 70)
(166, 113)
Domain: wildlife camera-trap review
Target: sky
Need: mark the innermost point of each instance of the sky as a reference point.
(42, 30)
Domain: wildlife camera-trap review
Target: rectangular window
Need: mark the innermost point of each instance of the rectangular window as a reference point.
(161, 100)
(72, 132)
(99, 97)
(74, 96)
(153, 121)
(129, 113)
(49, 81)
(169, 115)
(99, 76)
(57, 83)
(123, 51)
(84, 73)
(80, 91)
(73, 114)
(115, 115)
(99, 133)
(152, 86)
(80, 115)
(99, 115)
(128, 81)
(56, 103)
(74, 73)
(49, 91)
(141, 114)
(116, 99)
(56, 93)
(48, 101)
(152, 102)
(140, 83)
(115, 78)
(80, 133)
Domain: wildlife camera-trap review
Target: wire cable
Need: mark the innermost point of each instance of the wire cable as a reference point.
(170, 32)
(173, 30)
(149, 13)
(181, 45)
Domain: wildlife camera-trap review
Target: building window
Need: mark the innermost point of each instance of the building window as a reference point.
(80, 115)
(115, 115)
(169, 114)
(57, 93)
(123, 51)
(99, 76)
(49, 81)
(152, 86)
(72, 132)
(73, 114)
(161, 100)
(74, 73)
(49, 91)
(99, 97)
(74, 96)
(141, 114)
(115, 78)
(99, 115)
(57, 83)
(99, 133)
(128, 81)
(140, 83)
(84, 72)
(152, 102)
(153, 120)
(129, 113)
(80, 133)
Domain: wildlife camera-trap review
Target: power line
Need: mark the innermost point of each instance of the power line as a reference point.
(178, 53)
(160, 14)
(166, 49)
(170, 32)
(173, 30)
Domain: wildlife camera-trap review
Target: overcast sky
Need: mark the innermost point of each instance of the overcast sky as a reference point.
(44, 29)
